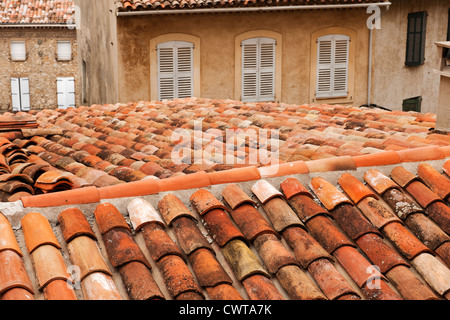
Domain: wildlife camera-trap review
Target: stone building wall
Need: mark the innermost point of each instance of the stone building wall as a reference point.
(41, 66)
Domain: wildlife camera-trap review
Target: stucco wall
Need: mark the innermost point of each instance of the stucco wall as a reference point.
(41, 65)
(217, 33)
(98, 48)
(392, 80)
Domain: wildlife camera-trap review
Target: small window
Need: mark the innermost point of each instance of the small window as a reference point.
(64, 50)
(332, 66)
(412, 104)
(18, 51)
(415, 44)
(20, 94)
(66, 92)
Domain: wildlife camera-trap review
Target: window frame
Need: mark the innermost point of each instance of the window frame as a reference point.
(58, 57)
(278, 60)
(66, 93)
(352, 34)
(24, 49)
(154, 61)
(412, 46)
(22, 105)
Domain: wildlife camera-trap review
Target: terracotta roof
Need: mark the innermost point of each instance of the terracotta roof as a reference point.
(36, 11)
(355, 235)
(372, 226)
(129, 5)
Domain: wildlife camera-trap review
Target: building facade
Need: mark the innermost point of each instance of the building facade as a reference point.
(286, 52)
(38, 45)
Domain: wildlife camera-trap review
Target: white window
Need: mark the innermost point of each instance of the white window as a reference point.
(66, 92)
(332, 66)
(18, 51)
(258, 69)
(175, 70)
(20, 94)
(64, 50)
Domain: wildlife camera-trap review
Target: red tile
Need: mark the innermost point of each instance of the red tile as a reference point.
(235, 196)
(8, 239)
(235, 175)
(352, 222)
(306, 249)
(171, 207)
(405, 242)
(402, 176)
(13, 273)
(298, 285)
(70, 197)
(332, 164)
(139, 282)
(190, 181)
(204, 201)
(421, 154)
(327, 234)
(402, 205)
(38, 231)
(409, 285)
(251, 222)
(264, 191)
(377, 212)
(427, 231)
(444, 253)
(434, 272)
(435, 180)
(177, 276)
(380, 290)
(142, 212)
(108, 218)
(328, 194)
(223, 292)
(440, 213)
(99, 286)
(331, 282)
(292, 187)
(122, 249)
(281, 215)
(59, 290)
(380, 253)
(273, 253)
(221, 227)
(17, 294)
(422, 194)
(358, 267)
(379, 182)
(73, 223)
(49, 265)
(259, 287)
(354, 188)
(189, 236)
(306, 208)
(207, 269)
(377, 159)
(158, 242)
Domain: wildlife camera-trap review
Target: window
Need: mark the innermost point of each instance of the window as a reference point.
(64, 50)
(258, 69)
(175, 70)
(65, 92)
(412, 104)
(18, 51)
(332, 66)
(415, 44)
(20, 94)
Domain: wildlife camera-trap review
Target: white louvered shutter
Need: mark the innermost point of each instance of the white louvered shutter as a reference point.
(25, 94)
(64, 50)
(18, 50)
(258, 69)
(15, 94)
(175, 70)
(65, 92)
(332, 66)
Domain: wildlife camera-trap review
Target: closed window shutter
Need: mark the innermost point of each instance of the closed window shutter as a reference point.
(415, 43)
(15, 94)
(175, 70)
(64, 49)
(18, 51)
(332, 66)
(258, 70)
(25, 94)
(65, 92)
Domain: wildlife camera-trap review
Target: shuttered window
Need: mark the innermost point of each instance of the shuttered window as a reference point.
(332, 66)
(65, 92)
(20, 94)
(175, 70)
(64, 50)
(18, 51)
(415, 43)
(258, 69)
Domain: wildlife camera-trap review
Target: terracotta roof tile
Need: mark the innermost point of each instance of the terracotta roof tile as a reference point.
(38, 231)
(259, 287)
(18, 294)
(440, 213)
(251, 222)
(73, 223)
(8, 239)
(298, 285)
(329, 195)
(204, 201)
(189, 236)
(142, 212)
(14, 275)
(435, 180)
(221, 228)
(108, 218)
(208, 270)
(435, 273)
(234, 196)
(171, 207)
(99, 286)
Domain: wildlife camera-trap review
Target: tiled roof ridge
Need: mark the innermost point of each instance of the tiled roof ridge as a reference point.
(132, 5)
(204, 179)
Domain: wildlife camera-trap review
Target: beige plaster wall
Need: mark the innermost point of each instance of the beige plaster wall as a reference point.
(98, 48)
(392, 80)
(41, 66)
(218, 32)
